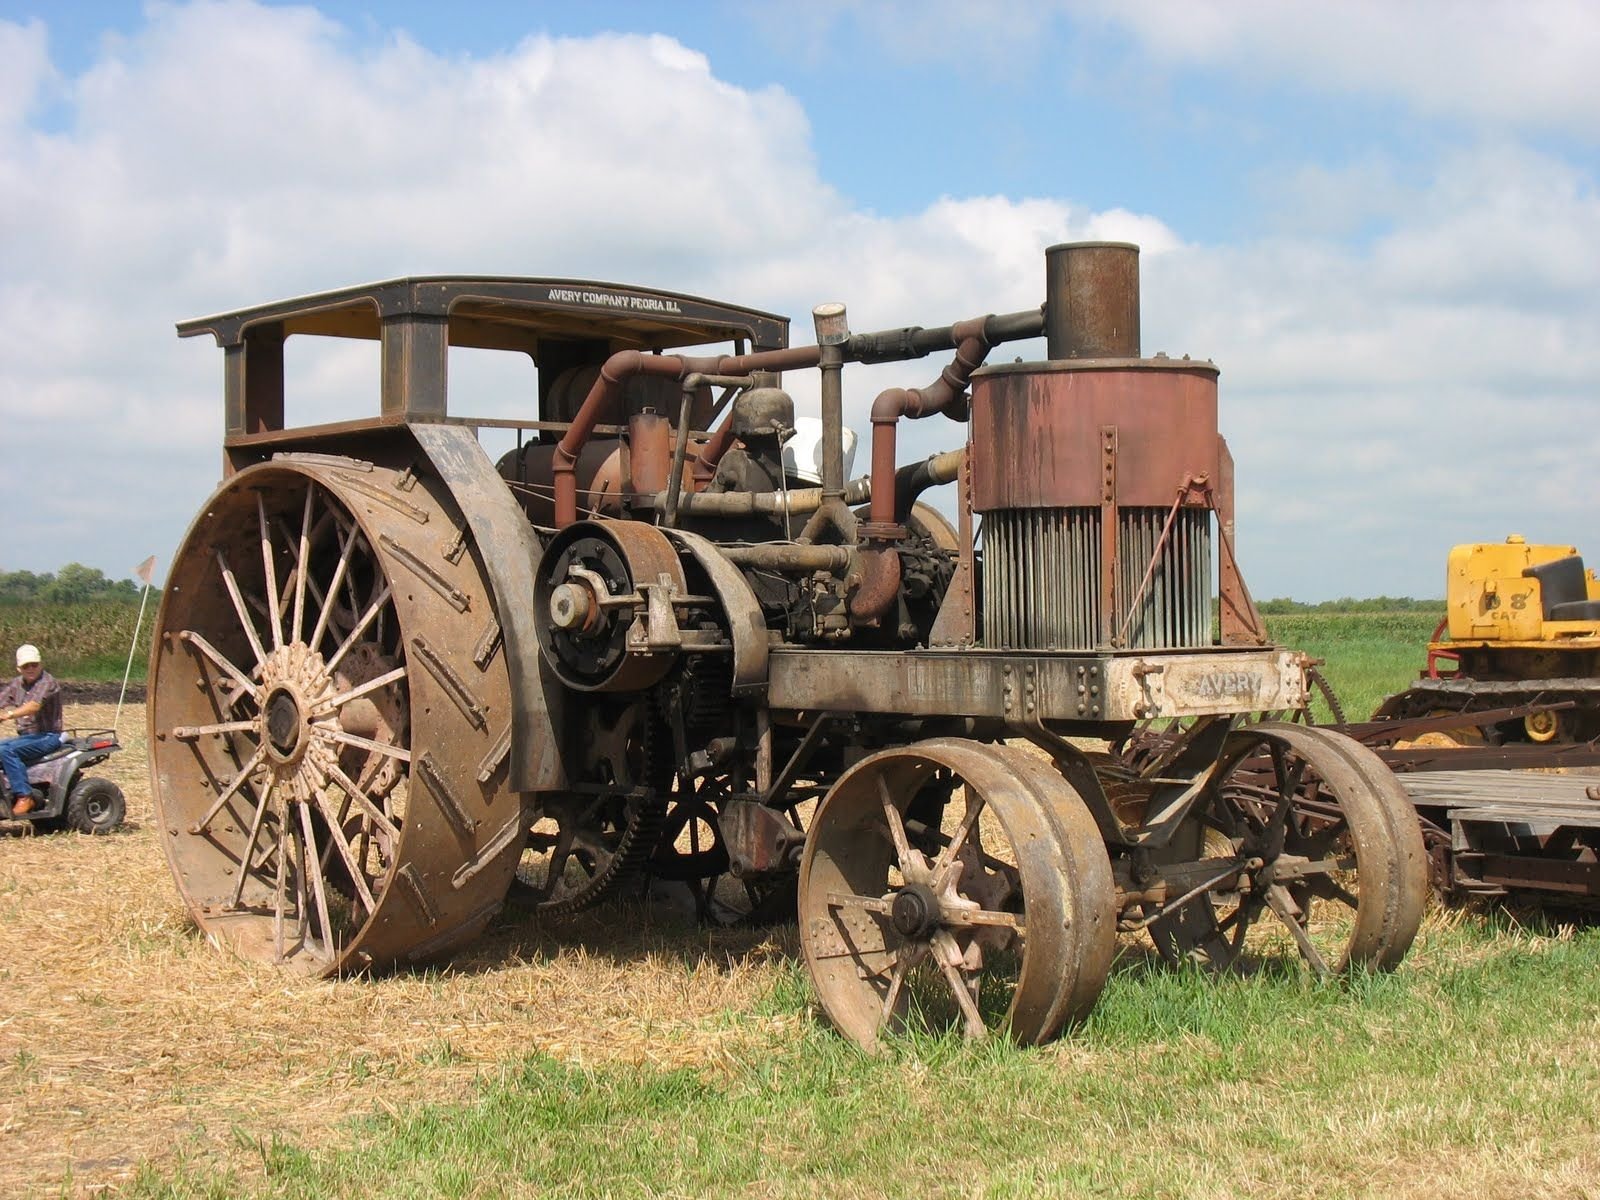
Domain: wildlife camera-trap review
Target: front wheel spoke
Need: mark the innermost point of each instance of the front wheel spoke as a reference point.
(873, 904)
(911, 953)
(951, 959)
(241, 609)
(204, 823)
(372, 685)
(946, 857)
(1287, 771)
(308, 860)
(911, 860)
(957, 915)
(1279, 901)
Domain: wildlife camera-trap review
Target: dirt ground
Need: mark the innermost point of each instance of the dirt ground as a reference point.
(126, 1037)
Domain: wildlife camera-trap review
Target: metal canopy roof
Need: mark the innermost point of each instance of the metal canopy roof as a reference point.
(506, 313)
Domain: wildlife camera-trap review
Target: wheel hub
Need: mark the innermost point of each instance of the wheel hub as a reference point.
(294, 681)
(915, 911)
(284, 724)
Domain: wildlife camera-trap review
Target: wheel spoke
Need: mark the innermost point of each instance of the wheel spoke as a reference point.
(189, 732)
(334, 734)
(372, 685)
(336, 837)
(1279, 901)
(270, 571)
(328, 598)
(303, 563)
(911, 953)
(367, 617)
(239, 607)
(308, 860)
(1287, 774)
(246, 684)
(250, 843)
(204, 823)
(389, 834)
(911, 860)
(948, 852)
(280, 889)
(951, 958)
(873, 904)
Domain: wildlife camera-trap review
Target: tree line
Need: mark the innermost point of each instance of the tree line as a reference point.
(72, 584)
(1348, 604)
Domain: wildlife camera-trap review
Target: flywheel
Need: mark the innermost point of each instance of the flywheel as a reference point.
(330, 720)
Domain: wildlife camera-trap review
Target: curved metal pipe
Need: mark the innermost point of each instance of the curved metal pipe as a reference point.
(890, 345)
(972, 346)
(625, 364)
(880, 580)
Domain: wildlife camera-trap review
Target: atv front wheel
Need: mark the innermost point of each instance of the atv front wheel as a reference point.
(95, 806)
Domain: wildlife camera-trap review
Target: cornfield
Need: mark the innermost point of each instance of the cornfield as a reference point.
(81, 642)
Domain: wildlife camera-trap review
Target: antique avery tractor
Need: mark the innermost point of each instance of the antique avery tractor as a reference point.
(395, 681)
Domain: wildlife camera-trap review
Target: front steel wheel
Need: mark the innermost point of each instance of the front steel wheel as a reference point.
(1314, 852)
(995, 916)
(330, 720)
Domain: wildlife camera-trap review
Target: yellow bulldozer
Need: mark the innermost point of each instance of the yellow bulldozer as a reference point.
(1522, 628)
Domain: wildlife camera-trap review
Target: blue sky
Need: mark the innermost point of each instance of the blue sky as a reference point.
(1381, 220)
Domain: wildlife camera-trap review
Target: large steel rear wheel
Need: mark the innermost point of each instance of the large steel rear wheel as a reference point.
(994, 917)
(330, 720)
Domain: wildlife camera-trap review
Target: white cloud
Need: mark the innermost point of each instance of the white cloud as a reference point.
(1499, 63)
(1436, 385)
(227, 154)
(1426, 383)
(1503, 64)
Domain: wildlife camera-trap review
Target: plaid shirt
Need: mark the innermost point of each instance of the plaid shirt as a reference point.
(46, 691)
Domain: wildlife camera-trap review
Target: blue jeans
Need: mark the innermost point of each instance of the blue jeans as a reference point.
(16, 753)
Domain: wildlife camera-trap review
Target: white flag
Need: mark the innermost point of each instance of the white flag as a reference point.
(146, 569)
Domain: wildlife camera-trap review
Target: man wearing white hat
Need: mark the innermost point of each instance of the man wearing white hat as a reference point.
(33, 701)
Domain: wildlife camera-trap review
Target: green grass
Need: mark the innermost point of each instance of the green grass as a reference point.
(1179, 1084)
(1367, 656)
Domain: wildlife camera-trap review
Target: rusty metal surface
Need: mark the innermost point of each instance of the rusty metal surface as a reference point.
(1092, 300)
(330, 775)
(1011, 927)
(604, 572)
(507, 552)
(746, 623)
(1036, 431)
(1318, 839)
(1066, 686)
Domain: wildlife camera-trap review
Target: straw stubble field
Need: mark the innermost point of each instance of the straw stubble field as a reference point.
(125, 1037)
(630, 1053)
